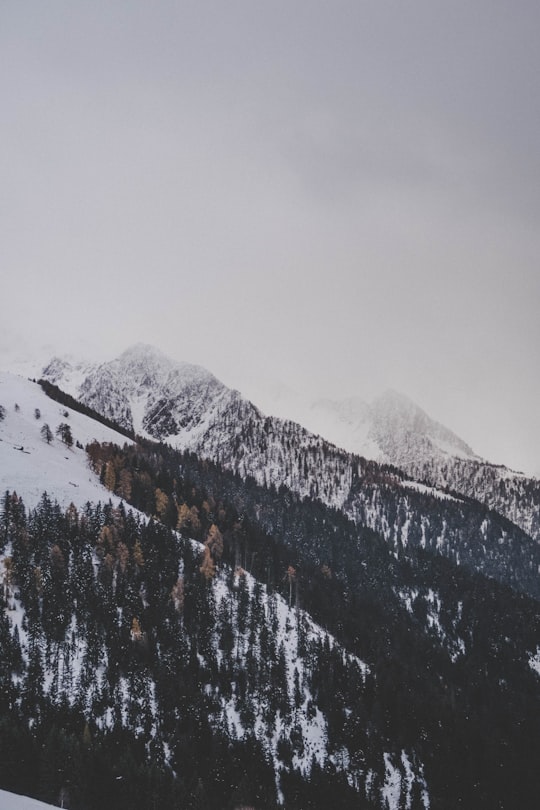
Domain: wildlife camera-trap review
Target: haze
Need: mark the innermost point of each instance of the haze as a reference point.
(337, 196)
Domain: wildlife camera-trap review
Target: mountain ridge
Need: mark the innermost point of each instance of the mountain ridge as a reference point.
(189, 407)
(426, 670)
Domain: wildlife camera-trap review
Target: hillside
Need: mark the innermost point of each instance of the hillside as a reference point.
(189, 409)
(230, 643)
(394, 430)
(28, 463)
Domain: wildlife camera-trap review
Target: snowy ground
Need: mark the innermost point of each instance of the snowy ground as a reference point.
(28, 465)
(10, 801)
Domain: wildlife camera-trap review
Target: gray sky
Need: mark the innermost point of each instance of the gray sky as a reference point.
(342, 196)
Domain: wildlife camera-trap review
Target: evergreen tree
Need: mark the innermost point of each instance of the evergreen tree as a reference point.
(64, 432)
(46, 433)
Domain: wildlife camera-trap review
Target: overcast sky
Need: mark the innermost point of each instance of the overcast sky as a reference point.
(341, 196)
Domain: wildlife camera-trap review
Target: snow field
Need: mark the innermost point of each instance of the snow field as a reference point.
(61, 471)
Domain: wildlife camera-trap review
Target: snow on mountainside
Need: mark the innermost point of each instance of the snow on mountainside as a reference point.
(189, 408)
(28, 465)
(394, 430)
(145, 391)
(232, 636)
(391, 429)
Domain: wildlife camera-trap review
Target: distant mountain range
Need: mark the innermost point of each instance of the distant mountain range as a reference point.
(394, 430)
(185, 405)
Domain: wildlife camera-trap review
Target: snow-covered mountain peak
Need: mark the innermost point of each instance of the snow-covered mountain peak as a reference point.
(392, 428)
(395, 415)
(146, 391)
(143, 366)
(67, 370)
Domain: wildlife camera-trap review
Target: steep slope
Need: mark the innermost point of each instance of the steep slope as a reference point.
(145, 391)
(391, 429)
(109, 628)
(29, 464)
(190, 409)
(139, 670)
(394, 430)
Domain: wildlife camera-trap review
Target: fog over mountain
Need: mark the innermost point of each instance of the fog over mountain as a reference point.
(343, 199)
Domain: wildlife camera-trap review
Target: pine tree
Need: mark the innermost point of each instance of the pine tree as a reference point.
(46, 433)
(64, 431)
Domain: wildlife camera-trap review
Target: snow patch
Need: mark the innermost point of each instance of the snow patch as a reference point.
(12, 801)
(534, 661)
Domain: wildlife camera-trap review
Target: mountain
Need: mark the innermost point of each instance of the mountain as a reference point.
(394, 430)
(145, 391)
(100, 611)
(391, 429)
(191, 410)
(184, 635)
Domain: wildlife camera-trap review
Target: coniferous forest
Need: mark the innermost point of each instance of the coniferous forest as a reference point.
(244, 647)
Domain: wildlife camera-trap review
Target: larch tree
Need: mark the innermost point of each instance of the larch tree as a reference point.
(162, 502)
(208, 567)
(124, 485)
(214, 542)
(109, 479)
(138, 557)
(184, 517)
(137, 634)
(178, 595)
(290, 577)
